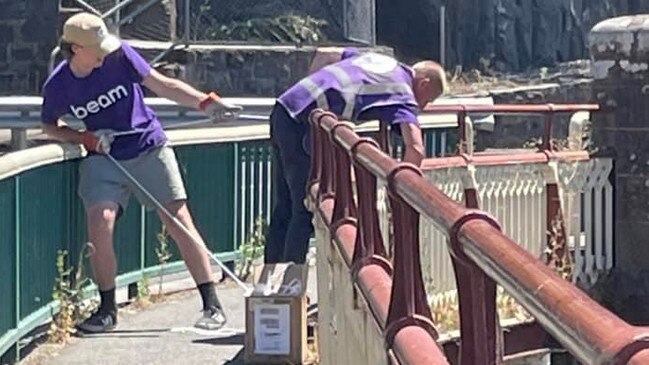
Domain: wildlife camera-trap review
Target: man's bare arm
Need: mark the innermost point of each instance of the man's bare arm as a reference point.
(62, 133)
(173, 89)
(413, 143)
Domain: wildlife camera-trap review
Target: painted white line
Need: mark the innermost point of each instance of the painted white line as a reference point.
(222, 332)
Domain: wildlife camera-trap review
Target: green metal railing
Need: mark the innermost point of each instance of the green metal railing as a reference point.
(227, 177)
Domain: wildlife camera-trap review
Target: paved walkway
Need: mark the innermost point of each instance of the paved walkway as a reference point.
(163, 333)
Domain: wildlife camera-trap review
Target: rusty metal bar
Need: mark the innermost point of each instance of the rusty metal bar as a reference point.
(369, 240)
(412, 308)
(478, 319)
(461, 125)
(548, 110)
(558, 255)
(479, 324)
(546, 142)
(344, 207)
(384, 138)
(326, 160)
(503, 159)
(316, 155)
(511, 108)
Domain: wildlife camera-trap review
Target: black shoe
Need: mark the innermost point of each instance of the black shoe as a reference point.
(100, 321)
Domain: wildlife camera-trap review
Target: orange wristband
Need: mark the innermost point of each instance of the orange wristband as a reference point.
(89, 140)
(212, 96)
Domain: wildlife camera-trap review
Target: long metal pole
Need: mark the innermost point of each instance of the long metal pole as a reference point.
(178, 223)
(187, 22)
(88, 7)
(116, 8)
(442, 35)
(117, 15)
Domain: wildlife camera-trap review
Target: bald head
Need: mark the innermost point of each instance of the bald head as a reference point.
(429, 83)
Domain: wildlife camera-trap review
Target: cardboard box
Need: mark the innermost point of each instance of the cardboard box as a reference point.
(276, 315)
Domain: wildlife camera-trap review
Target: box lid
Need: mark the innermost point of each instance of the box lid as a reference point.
(283, 279)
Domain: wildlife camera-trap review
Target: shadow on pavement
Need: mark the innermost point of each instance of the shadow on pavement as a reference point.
(229, 340)
(147, 333)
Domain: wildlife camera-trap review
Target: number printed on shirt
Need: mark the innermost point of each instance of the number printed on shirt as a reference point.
(376, 63)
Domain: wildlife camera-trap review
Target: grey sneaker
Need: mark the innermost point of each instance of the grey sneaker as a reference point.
(100, 321)
(212, 319)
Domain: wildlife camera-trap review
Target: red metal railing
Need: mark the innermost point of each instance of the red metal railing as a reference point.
(548, 110)
(396, 294)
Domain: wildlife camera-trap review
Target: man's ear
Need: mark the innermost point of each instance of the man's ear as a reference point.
(423, 82)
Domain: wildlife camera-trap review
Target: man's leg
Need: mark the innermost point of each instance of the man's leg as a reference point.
(103, 194)
(281, 212)
(280, 122)
(300, 228)
(157, 171)
(196, 259)
(101, 224)
(296, 166)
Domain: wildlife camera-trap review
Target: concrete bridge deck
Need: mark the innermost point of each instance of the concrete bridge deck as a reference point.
(162, 333)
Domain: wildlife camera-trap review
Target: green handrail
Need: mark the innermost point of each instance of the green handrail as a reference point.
(227, 175)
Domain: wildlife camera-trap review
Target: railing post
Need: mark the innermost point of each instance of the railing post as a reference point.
(343, 219)
(344, 206)
(368, 247)
(408, 302)
(546, 144)
(323, 169)
(316, 149)
(477, 301)
(384, 139)
(18, 243)
(369, 240)
(461, 130)
(558, 256)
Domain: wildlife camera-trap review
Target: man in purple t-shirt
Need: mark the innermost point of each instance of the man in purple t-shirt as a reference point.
(356, 87)
(99, 83)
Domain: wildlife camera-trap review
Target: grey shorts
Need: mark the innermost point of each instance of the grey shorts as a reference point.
(156, 170)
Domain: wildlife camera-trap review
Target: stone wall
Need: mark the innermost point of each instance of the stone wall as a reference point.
(29, 31)
(507, 35)
(620, 50)
(26, 40)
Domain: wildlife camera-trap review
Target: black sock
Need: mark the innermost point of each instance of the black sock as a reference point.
(208, 294)
(108, 301)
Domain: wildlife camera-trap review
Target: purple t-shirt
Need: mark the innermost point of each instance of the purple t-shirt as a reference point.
(109, 98)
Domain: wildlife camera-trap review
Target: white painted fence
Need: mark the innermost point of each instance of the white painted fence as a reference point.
(515, 194)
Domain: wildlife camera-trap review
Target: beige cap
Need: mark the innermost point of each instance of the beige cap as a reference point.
(89, 30)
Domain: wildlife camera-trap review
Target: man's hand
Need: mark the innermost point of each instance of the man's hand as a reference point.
(98, 141)
(218, 109)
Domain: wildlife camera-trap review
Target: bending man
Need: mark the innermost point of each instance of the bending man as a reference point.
(356, 87)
